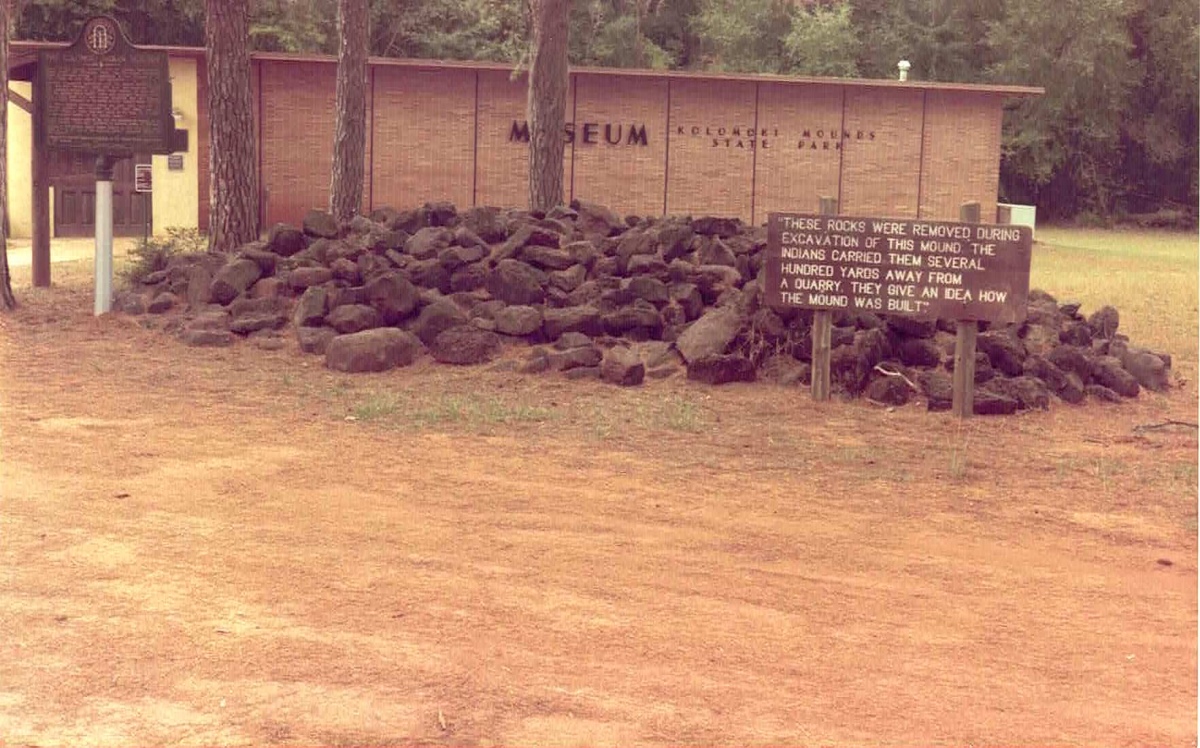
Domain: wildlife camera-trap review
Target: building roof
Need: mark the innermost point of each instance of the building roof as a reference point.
(23, 54)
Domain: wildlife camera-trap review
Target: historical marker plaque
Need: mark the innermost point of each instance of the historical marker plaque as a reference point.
(103, 95)
(926, 269)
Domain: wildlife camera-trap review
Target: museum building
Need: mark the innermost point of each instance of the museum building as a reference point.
(641, 142)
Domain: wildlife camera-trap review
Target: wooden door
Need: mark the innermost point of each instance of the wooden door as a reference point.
(73, 177)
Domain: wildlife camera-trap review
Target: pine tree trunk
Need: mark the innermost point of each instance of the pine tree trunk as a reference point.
(7, 300)
(548, 81)
(350, 133)
(233, 178)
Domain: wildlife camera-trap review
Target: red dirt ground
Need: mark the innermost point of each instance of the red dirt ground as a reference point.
(237, 546)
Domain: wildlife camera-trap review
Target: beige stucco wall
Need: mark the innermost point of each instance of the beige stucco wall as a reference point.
(20, 164)
(177, 193)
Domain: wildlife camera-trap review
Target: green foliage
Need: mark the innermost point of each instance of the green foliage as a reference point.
(1061, 148)
(1117, 131)
(823, 41)
(744, 35)
(152, 254)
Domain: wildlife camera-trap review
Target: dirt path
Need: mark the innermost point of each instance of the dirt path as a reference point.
(227, 547)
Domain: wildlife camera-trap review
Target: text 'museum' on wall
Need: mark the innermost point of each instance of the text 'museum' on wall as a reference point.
(640, 142)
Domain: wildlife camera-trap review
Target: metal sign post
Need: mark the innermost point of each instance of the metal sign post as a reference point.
(104, 234)
(143, 184)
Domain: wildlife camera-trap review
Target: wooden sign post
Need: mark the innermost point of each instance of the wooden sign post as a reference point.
(103, 96)
(963, 271)
(963, 403)
(822, 330)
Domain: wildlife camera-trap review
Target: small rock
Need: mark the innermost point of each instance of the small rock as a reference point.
(265, 260)
(161, 303)
(588, 355)
(269, 343)
(919, 352)
(314, 339)
(638, 321)
(622, 366)
(255, 321)
(267, 288)
(570, 340)
(206, 338)
(428, 243)
(1100, 392)
(582, 372)
(547, 258)
(721, 369)
(306, 277)
(889, 390)
(346, 270)
(537, 363)
(352, 318)
(991, 404)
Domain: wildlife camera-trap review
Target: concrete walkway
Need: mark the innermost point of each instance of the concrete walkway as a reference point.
(20, 251)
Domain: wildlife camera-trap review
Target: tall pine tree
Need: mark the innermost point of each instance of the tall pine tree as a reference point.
(232, 164)
(548, 81)
(350, 133)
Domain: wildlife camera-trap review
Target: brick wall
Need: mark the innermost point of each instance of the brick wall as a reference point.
(716, 146)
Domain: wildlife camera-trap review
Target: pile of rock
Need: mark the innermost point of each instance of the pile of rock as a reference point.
(616, 299)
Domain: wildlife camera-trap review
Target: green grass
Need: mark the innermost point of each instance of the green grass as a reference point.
(1151, 277)
(468, 411)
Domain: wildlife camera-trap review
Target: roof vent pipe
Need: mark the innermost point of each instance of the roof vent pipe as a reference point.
(904, 65)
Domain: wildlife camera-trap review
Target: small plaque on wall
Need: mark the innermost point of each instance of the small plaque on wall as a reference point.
(175, 162)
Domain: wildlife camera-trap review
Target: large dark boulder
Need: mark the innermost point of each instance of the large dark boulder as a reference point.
(1108, 372)
(486, 223)
(547, 258)
(1104, 322)
(639, 321)
(436, 318)
(518, 320)
(919, 352)
(1030, 393)
(465, 345)
(597, 221)
(574, 357)
(320, 224)
(710, 335)
(372, 350)
(306, 277)
(888, 390)
(713, 226)
(285, 240)
(1149, 370)
(517, 283)
(429, 242)
(233, 279)
(352, 318)
(582, 319)
(1074, 359)
(452, 258)
(393, 296)
(1006, 352)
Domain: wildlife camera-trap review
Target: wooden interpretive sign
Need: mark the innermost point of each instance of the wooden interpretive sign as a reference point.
(103, 95)
(927, 269)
